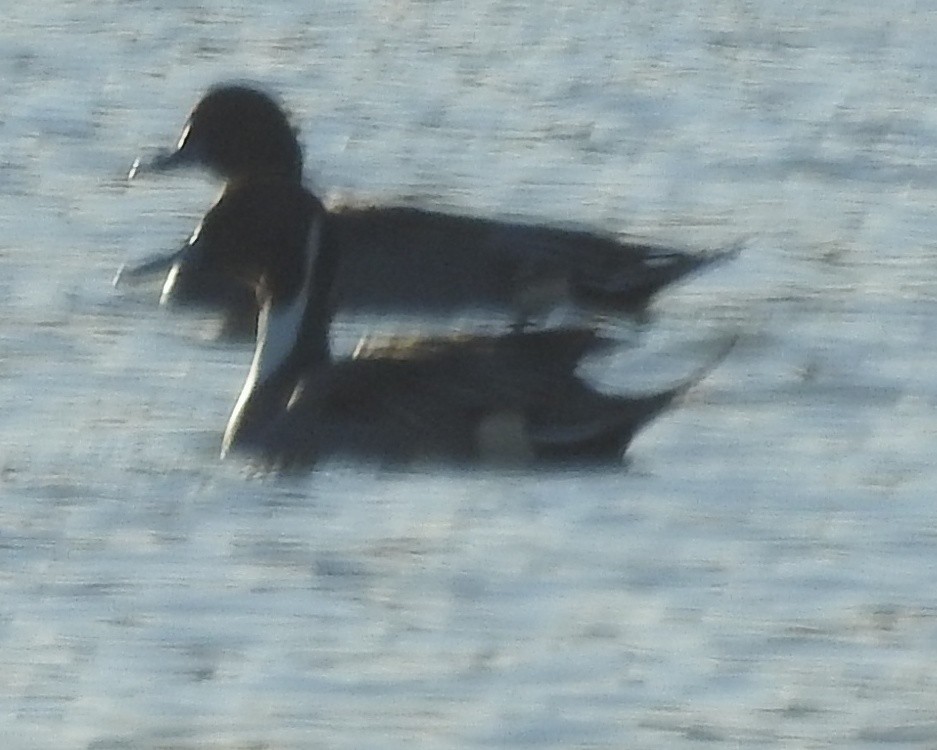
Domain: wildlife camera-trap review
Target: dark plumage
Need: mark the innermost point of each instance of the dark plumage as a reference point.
(461, 398)
(412, 260)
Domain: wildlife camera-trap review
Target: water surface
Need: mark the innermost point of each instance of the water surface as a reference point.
(759, 572)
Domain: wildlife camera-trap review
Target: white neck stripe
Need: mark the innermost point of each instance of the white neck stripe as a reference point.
(278, 328)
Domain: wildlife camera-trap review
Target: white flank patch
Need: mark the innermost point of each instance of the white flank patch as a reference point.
(278, 329)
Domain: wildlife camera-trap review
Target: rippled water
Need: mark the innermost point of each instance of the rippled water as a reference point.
(759, 572)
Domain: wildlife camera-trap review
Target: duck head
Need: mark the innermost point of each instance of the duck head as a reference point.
(237, 132)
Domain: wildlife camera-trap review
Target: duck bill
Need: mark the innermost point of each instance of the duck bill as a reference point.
(188, 152)
(188, 277)
(148, 269)
(164, 161)
(194, 279)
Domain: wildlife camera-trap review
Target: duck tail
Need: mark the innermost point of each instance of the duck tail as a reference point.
(724, 348)
(607, 436)
(642, 409)
(633, 287)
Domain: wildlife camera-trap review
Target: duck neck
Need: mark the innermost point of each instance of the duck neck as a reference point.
(292, 340)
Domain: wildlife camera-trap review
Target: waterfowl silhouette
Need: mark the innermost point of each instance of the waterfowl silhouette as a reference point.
(405, 259)
(462, 398)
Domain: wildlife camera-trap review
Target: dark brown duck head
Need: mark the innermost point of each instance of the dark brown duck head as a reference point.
(237, 132)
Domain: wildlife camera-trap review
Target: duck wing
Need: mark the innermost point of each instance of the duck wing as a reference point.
(413, 259)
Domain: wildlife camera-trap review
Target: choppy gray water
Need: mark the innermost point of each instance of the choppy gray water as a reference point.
(760, 572)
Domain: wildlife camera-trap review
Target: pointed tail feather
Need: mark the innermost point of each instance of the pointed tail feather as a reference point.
(632, 288)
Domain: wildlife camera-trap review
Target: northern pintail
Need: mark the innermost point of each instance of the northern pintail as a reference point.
(405, 259)
(513, 397)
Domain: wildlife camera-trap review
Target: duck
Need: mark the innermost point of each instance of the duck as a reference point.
(404, 259)
(463, 398)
